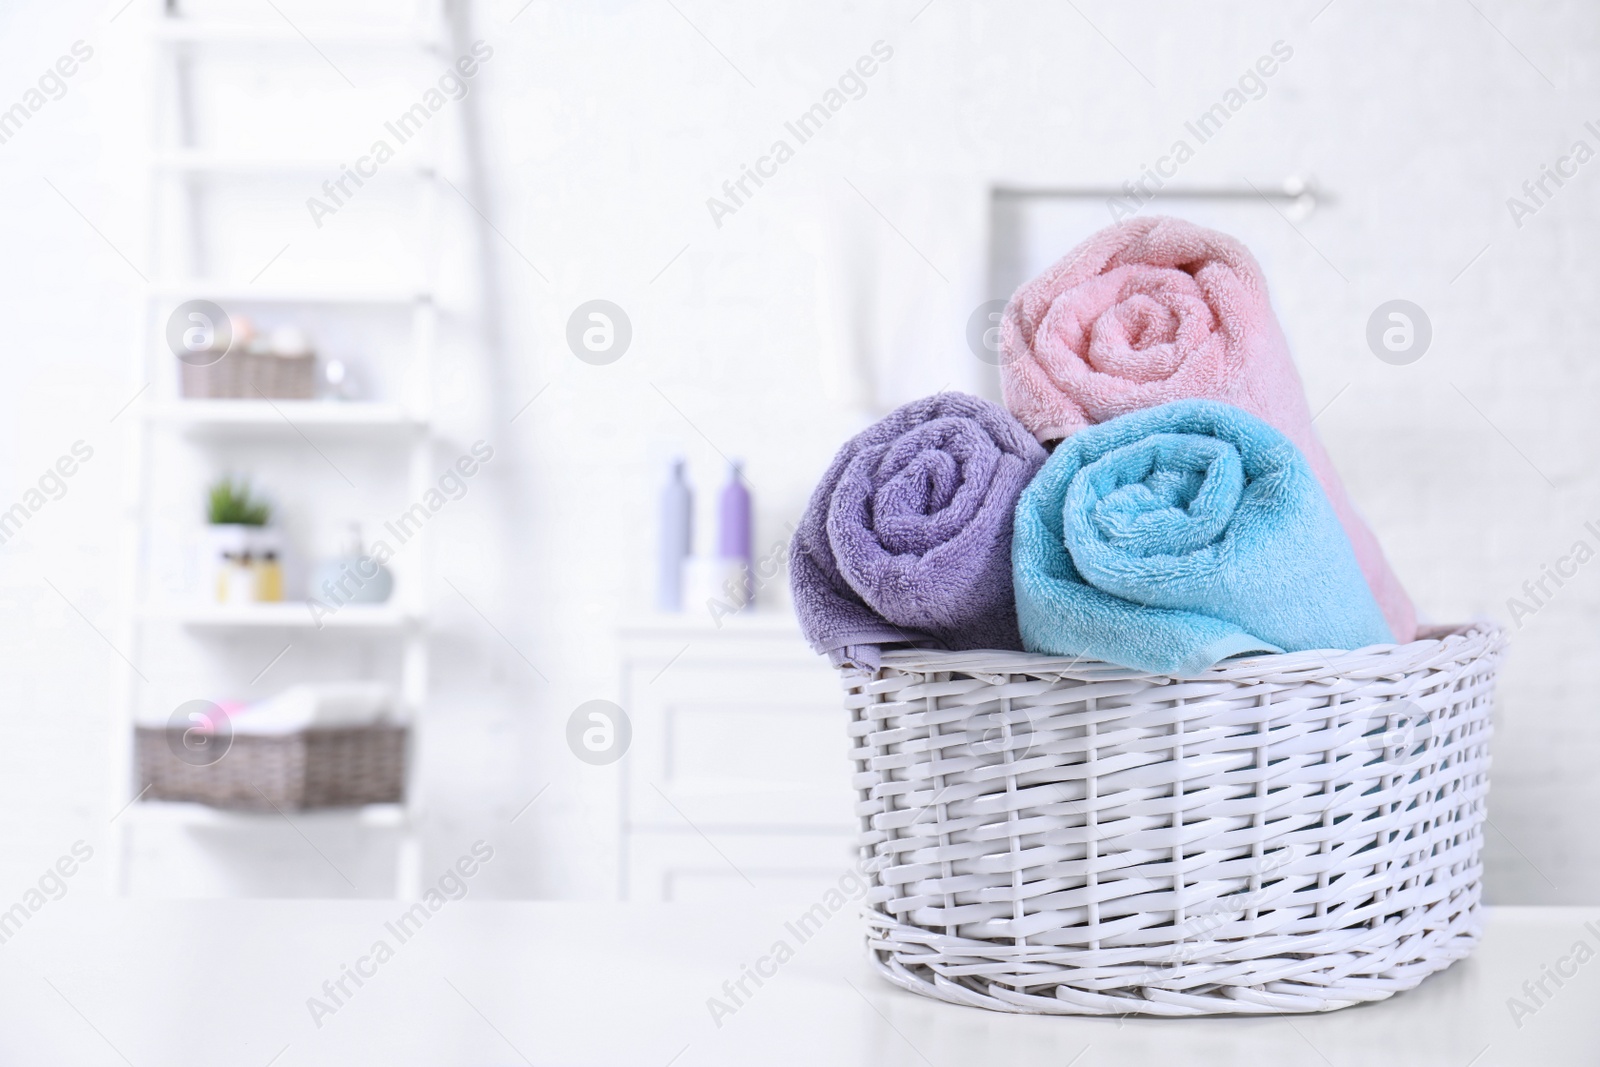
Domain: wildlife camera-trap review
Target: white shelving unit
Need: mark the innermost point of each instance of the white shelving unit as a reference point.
(401, 422)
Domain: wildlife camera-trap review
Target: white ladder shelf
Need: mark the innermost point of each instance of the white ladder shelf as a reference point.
(401, 422)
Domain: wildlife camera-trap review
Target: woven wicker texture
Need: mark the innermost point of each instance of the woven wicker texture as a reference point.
(1284, 833)
(322, 768)
(249, 375)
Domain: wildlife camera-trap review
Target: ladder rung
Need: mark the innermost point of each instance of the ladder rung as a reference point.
(179, 31)
(299, 293)
(200, 162)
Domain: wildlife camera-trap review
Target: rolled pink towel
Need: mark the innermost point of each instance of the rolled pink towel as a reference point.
(1155, 310)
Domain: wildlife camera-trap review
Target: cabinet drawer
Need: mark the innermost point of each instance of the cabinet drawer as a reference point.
(781, 868)
(750, 742)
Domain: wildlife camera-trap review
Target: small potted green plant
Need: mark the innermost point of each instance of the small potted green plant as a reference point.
(245, 550)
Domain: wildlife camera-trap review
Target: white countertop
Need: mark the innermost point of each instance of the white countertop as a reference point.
(171, 983)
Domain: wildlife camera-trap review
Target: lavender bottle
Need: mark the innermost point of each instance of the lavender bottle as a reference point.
(733, 532)
(677, 538)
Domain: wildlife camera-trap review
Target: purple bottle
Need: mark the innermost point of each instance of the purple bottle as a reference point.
(733, 532)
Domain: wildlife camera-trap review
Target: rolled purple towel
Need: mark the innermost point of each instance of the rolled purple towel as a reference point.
(907, 540)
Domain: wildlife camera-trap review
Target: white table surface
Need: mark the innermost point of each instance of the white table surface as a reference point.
(169, 983)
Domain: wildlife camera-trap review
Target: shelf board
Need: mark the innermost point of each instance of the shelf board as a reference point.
(188, 813)
(208, 31)
(201, 162)
(287, 615)
(222, 416)
(304, 293)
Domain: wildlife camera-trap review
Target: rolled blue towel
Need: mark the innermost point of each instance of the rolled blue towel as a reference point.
(1172, 538)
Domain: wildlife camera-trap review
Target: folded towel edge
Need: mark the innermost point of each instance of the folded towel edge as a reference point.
(1226, 647)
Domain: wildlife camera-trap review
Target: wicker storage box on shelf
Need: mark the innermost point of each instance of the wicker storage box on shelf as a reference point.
(1284, 833)
(249, 376)
(320, 768)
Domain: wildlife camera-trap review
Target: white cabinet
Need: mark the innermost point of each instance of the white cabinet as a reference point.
(737, 780)
(736, 867)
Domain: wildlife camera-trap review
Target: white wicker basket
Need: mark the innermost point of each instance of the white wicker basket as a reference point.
(1284, 833)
